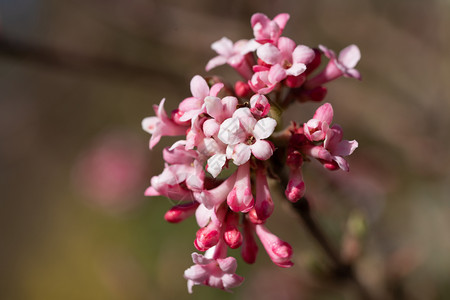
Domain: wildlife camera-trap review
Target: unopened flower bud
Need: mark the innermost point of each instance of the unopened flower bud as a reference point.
(180, 212)
(242, 89)
(232, 236)
(259, 105)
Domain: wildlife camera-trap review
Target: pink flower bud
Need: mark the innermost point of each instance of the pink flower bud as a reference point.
(280, 252)
(249, 248)
(181, 212)
(263, 204)
(232, 236)
(242, 89)
(240, 199)
(296, 187)
(207, 237)
(259, 105)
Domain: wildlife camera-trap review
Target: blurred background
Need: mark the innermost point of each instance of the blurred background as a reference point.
(77, 78)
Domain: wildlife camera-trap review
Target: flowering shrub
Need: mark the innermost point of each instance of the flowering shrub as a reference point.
(235, 128)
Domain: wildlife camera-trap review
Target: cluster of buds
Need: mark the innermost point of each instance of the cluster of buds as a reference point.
(219, 172)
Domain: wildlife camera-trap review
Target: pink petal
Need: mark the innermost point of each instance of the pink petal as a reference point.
(203, 215)
(215, 89)
(262, 149)
(276, 74)
(213, 106)
(269, 54)
(228, 265)
(199, 87)
(149, 124)
(259, 18)
(229, 104)
(342, 163)
(196, 273)
(281, 20)
(353, 73)
(324, 113)
(264, 128)
(246, 119)
(328, 52)
(241, 154)
(350, 56)
(231, 281)
(215, 62)
(345, 148)
(210, 127)
(223, 47)
(286, 46)
(302, 54)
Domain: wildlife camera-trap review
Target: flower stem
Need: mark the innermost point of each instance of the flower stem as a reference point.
(341, 270)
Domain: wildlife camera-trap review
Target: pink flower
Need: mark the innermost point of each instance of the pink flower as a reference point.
(266, 30)
(245, 136)
(232, 54)
(333, 150)
(161, 125)
(291, 58)
(316, 129)
(342, 65)
(214, 272)
(194, 106)
(279, 251)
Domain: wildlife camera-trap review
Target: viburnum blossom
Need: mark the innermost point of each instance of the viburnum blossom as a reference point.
(233, 145)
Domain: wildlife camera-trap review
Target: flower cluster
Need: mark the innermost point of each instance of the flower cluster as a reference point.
(233, 144)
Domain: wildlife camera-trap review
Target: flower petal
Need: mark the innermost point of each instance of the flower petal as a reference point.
(349, 56)
(264, 128)
(241, 154)
(262, 149)
(324, 113)
(215, 164)
(199, 87)
(269, 54)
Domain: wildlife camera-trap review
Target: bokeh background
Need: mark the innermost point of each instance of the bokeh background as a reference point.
(77, 78)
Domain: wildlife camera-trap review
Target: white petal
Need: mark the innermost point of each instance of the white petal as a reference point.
(241, 154)
(349, 56)
(264, 128)
(230, 132)
(262, 150)
(215, 164)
